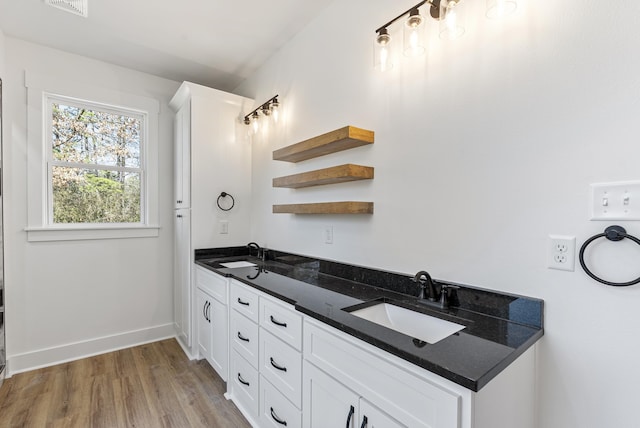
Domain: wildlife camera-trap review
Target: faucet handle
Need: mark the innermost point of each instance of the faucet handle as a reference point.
(444, 294)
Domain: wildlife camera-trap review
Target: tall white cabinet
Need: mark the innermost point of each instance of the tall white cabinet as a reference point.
(212, 154)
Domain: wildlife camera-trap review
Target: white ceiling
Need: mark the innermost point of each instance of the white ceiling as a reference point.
(216, 43)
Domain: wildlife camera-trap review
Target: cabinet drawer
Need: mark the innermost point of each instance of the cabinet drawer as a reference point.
(244, 300)
(275, 410)
(244, 337)
(282, 320)
(244, 381)
(282, 366)
(212, 283)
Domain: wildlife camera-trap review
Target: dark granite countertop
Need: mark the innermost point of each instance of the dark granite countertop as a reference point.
(498, 327)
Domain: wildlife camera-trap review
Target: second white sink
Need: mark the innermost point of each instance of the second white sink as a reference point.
(237, 264)
(415, 324)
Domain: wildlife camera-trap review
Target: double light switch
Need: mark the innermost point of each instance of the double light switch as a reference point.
(615, 201)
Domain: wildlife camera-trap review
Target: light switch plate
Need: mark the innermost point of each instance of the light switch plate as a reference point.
(615, 201)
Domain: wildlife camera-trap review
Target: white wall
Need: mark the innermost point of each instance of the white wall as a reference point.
(482, 150)
(66, 299)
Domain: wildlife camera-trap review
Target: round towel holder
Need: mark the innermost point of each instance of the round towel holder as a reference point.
(615, 234)
(222, 196)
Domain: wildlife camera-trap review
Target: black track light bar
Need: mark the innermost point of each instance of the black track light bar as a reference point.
(263, 107)
(435, 12)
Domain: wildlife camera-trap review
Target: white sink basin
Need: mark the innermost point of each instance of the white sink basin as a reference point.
(237, 264)
(414, 324)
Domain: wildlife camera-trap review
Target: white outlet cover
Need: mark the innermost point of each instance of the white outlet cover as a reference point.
(615, 201)
(328, 235)
(561, 252)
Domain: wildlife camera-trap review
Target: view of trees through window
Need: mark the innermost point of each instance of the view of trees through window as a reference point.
(95, 166)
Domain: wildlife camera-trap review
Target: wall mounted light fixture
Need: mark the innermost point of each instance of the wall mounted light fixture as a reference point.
(450, 13)
(269, 108)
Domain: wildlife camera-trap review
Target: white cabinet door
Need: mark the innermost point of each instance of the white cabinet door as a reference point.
(203, 311)
(182, 156)
(182, 276)
(373, 417)
(328, 403)
(219, 355)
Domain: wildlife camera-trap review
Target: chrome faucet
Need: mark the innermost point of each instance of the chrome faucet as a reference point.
(427, 287)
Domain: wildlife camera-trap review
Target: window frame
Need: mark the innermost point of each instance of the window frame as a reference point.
(50, 100)
(41, 90)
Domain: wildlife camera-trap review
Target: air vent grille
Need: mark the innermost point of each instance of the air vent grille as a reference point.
(77, 7)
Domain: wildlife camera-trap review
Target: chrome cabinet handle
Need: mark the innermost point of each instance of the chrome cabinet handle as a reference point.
(273, 320)
(277, 419)
(274, 364)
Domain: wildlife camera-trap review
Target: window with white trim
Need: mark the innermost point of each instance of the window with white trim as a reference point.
(95, 162)
(92, 161)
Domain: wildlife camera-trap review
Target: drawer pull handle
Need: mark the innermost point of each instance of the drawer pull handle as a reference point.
(364, 422)
(273, 320)
(242, 381)
(274, 364)
(277, 419)
(243, 303)
(351, 412)
(241, 337)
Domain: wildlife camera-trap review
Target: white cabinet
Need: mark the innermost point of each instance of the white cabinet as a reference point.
(210, 156)
(219, 355)
(213, 319)
(182, 277)
(328, 403)
(266, 342)
(372, 417)
(182, 157)
(331, 404)
(243, 388)
(203, 307)
(341, 372)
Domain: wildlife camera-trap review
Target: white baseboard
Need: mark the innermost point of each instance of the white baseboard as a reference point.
(74, 351)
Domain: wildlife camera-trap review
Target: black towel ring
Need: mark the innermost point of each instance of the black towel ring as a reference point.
(612, 233)
(224, 195)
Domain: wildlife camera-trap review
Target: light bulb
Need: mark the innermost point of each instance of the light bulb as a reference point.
(452, 19)
(275, 110)
(497, 9)
(382, 51)
(414, 34)
(255, 125)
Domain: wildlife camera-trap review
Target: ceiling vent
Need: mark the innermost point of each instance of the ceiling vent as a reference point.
(77, 7)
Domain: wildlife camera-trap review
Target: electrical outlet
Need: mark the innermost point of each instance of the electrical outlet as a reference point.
(562, 252)
(328, 235)
(224, 227)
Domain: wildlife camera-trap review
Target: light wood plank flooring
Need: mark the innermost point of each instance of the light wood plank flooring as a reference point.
(152, 385)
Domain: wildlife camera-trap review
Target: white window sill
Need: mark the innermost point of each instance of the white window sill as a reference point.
(44, 234)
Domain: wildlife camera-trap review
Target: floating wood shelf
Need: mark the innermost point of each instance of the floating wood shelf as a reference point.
(331, 142)
(349, 207)
(319, 177)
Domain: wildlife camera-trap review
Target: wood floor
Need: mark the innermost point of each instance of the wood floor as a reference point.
(152, 385)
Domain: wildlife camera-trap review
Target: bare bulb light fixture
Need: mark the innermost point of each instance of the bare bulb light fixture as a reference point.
(268, 109)
(414, 34)
(451, 14)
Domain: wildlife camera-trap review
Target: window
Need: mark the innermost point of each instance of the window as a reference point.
(95, 169)
(92, 161)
